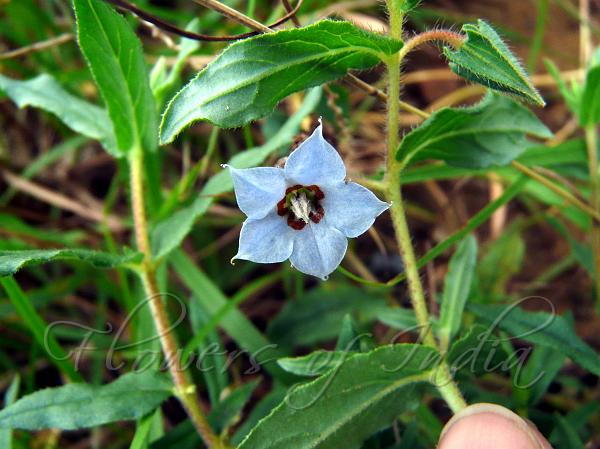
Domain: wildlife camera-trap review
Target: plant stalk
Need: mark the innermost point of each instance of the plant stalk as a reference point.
(184, 388)
(444, 382)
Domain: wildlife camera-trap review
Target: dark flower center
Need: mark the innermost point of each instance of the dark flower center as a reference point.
(301, 204)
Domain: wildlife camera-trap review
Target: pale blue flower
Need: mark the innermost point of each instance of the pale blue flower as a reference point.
(304, 212)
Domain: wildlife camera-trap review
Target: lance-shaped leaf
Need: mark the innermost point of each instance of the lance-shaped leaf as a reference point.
(251, 76)
(490, 133)
(46, 93)
(6, 436)
(456, 288)
(347, 404)
(12, 261)
(485, 59)
(115, 57)
(78, 406)
(589, 108)
(313, 364)
(551, 330)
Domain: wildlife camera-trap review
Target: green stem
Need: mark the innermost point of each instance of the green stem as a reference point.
(392, 181)
(444, 381)
(591, 139)
(541, 19)
(417, 294)
(184, 388)
(448, 389)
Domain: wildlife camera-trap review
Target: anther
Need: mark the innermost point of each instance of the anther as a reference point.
(301, 207)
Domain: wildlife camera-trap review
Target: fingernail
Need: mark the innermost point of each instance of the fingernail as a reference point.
(489, 426)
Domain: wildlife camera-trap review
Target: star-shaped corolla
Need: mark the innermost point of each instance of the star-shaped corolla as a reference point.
(304, 212)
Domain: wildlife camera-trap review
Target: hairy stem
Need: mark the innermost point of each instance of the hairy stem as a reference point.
(184, 388)
(444, 382)
(447, 36)
(448, 389)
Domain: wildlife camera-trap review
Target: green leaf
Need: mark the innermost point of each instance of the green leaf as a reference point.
(142, 432)
(6, 437)
(457, 285)
(235, 323)
(502, 260)
(39, 328)
(580, 251)
(44, 160)
(540, 328)
(251, 76)
(571, 93)
(221, 418)
(565, 436)
(409, 5)
(398, 318)
(343, 407)
(182, 436)
(17, 226)
(317, 316)
(45, 93)
(260, 410)
(78, 406)
(348, 338)
(577, 419)
(313, 364)
(163, 84)
(531, 383)
(589, 107)
(211, 360)
(227, 412)
(568, 158)
(485, 59)
(487, 134)
(115, 57)
(169, 233)
(476, 351)
(13, 261)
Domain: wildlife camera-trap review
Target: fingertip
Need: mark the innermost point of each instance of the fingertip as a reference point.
(490, 426)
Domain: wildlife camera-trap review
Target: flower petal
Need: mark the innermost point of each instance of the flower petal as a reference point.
(266, 240)
(315, 161)
(318, 249)
(258, 190)
(351, 208)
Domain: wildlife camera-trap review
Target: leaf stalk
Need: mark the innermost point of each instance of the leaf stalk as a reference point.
(446, 36)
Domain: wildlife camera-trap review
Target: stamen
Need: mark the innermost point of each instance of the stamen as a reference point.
(301, 204)
(301, 207)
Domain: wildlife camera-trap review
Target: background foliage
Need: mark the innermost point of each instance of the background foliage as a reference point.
(501, 198)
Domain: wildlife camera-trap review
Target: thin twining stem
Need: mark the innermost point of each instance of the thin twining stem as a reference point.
(38, 46)
(257, 26)
(169, 27)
